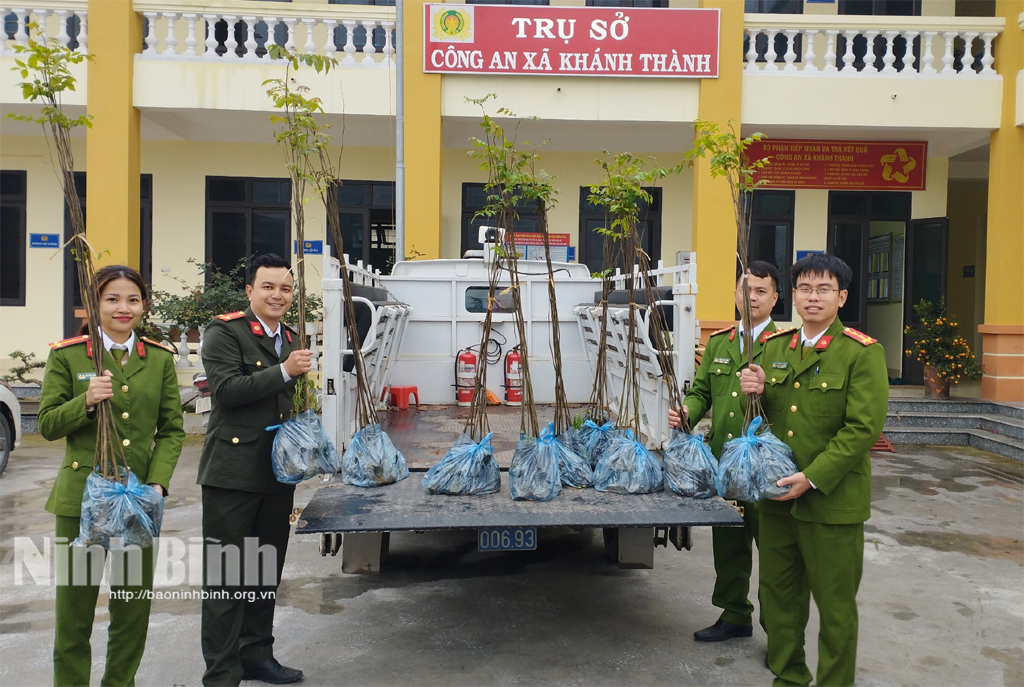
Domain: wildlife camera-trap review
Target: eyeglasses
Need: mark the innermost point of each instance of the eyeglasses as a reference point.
(824, 291)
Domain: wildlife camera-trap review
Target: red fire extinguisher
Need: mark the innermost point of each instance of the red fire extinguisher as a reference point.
(514, 378)
(465, 376)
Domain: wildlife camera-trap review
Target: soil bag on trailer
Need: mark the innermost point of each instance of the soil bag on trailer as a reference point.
(467, 468)
(690, 468)
(534, 473)
(302, 450)
(131, 512)
(594, 438)
(573, 466)
(371, 460)
(752, 464)
(627, 467)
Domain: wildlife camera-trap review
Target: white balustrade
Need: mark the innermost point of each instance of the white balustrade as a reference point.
(174, 35)
(58, 23)
(871, 46)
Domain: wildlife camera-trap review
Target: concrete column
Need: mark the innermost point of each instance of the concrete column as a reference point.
(1003, 328)
(113, 142)
(714, 225)
(422, 143)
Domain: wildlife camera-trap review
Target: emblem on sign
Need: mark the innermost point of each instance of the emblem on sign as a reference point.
(906, 165)
(452, 23)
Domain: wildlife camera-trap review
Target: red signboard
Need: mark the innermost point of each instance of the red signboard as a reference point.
(851, 165)
(576, 41)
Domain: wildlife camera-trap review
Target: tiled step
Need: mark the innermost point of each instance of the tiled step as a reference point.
(997, 424)
(1006, 446)
(956, 406)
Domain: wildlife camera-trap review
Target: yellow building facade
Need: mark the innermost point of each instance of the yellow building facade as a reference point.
(181, 165)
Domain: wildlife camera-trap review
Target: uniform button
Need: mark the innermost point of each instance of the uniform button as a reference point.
(773, 380)
(728, 436)
(792, 409)
(796, 385)
(124, 415)
(234, 440)
(74, 465)
(824, 385)
(281, 416)
(124, 387)
(718, 369)
(259, 363)
(734, 394)
(737, 373)
(732, 414)
(789, 433)
(127, 442)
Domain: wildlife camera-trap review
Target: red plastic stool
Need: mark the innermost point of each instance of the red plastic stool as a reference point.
(400, 396)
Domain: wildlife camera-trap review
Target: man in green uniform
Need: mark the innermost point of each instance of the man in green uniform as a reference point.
(716, 386)
(251, 361)
(825, 391)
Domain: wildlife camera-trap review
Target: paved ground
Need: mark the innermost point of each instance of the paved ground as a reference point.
(942, 601)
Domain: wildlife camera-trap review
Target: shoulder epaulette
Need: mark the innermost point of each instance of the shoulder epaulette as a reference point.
(69, 342)
(159, 344)
(780, 332)
(859, 337)
(722, 331)
(228, 316)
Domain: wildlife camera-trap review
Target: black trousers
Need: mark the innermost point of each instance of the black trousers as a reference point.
(245, 542)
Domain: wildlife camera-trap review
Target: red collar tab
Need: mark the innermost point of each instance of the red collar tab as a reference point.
(256, 327)
(732, 335)
(288, 334)
(795, 341)
(140, 348)
(765, 335)
(823, 343)
(88, 347)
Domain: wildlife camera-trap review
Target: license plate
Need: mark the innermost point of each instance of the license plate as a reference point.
(204, 404)
(506, 538)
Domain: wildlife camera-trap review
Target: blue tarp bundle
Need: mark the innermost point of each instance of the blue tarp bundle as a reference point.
(752, 464)
(534, 474)
(302, 449)
(468, 468)
(573, 466)
(594, 438)
(131, 512)
(627, 467)
(371, 460)
(690, 467)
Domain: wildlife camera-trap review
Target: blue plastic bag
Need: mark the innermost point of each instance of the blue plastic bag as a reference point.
(534, 474)
(690, 468)
(573, 467)
(752, 464)
(627, 467)
(131, 512)
(467, 468)
(594, 439)
(371, 460)
(302, 449)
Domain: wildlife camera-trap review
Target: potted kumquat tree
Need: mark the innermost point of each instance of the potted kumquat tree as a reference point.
(937, 343)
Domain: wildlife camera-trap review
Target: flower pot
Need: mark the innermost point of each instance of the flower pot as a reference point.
(935, 387)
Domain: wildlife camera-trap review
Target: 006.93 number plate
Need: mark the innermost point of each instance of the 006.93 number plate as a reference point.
(506, 538)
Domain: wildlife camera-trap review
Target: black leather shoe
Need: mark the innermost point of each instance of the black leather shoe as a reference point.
(271, 671)
(721, 631)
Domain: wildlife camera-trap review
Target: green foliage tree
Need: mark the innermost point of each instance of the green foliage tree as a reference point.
(28, 363)
(727, 155)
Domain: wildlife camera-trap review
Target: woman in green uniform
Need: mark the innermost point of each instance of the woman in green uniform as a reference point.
(140, 384)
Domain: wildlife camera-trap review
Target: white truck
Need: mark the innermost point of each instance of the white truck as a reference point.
(413, 324)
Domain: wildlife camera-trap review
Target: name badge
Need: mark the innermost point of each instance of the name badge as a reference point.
(85, 376)
(780, 366)
(724, 361)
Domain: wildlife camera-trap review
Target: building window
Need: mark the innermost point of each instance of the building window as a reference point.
(773, 6)
(474, 199)
(881, 8)
(12, 237)
(593, 218)
(246, 217)
(771, 240)
(366, 216)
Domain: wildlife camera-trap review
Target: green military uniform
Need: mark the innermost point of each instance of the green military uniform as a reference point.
(147, 412)
(241, 497)
(828, 404)
(716, 386)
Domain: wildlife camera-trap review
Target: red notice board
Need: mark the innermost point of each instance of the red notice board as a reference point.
(570, 41)
(849, 165)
